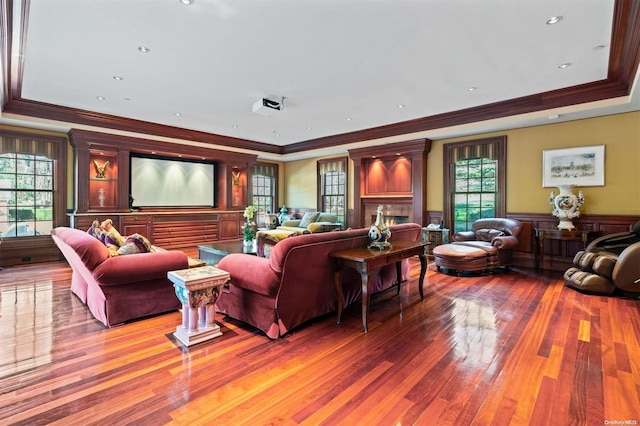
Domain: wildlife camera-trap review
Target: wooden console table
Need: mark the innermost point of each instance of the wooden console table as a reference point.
(369, 261)
(563, 235)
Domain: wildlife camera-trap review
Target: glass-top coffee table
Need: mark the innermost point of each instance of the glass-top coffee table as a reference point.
(212, 253)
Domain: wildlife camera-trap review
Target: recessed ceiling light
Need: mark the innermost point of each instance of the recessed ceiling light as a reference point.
(117, 77)
(309, 127)
(472, 89)
(178, 114)
(554, 20)
(565, 65)
(348, 118)
(187, 2)
(144, 49)
(235, 126)
(127, 99)
(102, 98)
(400, 106)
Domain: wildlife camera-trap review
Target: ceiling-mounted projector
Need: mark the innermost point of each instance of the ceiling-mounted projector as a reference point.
(267, 107)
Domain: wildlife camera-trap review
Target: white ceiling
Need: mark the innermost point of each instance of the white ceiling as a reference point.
(340, 65)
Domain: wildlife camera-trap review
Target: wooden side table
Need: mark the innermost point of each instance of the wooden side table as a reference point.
(198, 289)
(562, 235)
(435, 237)
(369, 261)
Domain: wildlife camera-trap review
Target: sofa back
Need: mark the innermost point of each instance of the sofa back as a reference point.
(310, 246)
(507, 226)
(306, 272)
(80, 248)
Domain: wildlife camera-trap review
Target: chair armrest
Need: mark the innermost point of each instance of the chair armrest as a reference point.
(504, 242)
(130, 268)
(626, 273)
(464, 236)
(612, 242)
(251, 273)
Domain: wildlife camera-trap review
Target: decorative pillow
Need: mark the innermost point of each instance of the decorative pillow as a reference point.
(95, 230)
(308, 218)
(135, 243)
(113, 250)
(488, 234)
(297, 233)
(110, 234)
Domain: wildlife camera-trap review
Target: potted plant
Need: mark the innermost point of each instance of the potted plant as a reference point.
(248, 229)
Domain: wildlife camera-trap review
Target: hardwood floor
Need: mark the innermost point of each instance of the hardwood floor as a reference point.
(513, 348)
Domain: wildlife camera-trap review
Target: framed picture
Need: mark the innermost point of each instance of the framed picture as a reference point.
(583, 166)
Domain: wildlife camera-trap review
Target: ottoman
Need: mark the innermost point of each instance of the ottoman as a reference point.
(460, 257)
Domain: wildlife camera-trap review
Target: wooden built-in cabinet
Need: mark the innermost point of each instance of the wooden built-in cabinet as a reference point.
(102, 165)
(137, 224)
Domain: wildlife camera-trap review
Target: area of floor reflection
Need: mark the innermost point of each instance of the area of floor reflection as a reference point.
(26, 326)
(474, 331)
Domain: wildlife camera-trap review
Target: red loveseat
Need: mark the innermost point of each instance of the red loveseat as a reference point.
(118, 288)
(295, 284)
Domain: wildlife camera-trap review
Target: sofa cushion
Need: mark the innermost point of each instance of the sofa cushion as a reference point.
(307, 219)
(327, 217)
(488, 234)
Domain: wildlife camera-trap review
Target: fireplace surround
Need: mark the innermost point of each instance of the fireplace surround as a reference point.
(394, 176)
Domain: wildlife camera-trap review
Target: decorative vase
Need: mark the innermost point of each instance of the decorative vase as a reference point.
(379, 232)
(283, 215)
(247, 243)
(566, 206)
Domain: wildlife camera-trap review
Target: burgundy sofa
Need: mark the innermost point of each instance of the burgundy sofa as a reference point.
(295, 284)
(119, 288)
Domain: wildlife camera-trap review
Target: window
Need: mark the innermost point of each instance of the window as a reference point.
(332, 182)
(475, 191)
(475, 183)
(30, 202)
(264, 184)
(26, 195)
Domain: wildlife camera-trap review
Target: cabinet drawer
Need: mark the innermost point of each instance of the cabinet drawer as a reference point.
(133, 219)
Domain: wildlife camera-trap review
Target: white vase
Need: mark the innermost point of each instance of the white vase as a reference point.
(566, 206)
(247, 243)
(379, 232)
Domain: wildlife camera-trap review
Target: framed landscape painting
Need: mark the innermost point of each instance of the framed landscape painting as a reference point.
(583, 166)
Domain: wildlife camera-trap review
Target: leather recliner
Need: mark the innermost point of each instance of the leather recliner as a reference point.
(608, 263)
(496, 236)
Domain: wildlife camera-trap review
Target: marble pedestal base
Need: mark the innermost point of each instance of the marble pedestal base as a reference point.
(198, 289)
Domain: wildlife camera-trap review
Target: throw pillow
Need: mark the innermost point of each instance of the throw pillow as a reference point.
(95, 230)
(308, 218)
(488, 234)
(111, 234)
(135, 243)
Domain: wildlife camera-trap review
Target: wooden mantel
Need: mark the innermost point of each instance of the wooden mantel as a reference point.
(390, 173)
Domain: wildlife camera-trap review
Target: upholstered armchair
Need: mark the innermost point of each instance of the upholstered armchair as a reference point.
(608, 263)
(497, 236)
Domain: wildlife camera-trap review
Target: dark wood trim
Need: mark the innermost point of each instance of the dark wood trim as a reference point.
(623, 64)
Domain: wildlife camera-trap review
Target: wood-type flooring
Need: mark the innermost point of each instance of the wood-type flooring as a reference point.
(512, 348)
